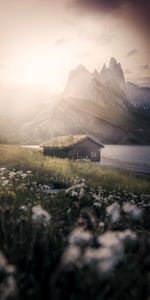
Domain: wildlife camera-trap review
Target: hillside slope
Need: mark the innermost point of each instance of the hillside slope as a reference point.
(8, 131)
(100, 103)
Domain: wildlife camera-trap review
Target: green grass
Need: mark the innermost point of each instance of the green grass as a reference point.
(38, 250)
(64, 170)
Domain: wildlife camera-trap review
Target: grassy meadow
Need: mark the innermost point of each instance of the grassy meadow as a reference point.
(64, 170)
(72, 230)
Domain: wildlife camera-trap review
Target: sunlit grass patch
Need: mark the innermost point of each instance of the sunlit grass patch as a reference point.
(63, 169)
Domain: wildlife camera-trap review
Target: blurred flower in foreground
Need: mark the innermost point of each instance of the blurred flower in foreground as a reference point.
(71, 255)
(111, 251)
(97, 208)
(132, 211)
(40, 215)
(12, 174)
(8, 288)
(113, 211)
(80, 237)
(97, 205)
(97, 197)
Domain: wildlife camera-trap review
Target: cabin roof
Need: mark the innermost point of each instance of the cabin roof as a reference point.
(62, 142)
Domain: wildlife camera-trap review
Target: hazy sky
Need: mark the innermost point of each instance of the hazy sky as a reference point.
(41, 40)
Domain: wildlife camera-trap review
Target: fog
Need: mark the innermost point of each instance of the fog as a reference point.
(42, 40)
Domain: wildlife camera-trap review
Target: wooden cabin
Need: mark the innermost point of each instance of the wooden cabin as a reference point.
(74, 147)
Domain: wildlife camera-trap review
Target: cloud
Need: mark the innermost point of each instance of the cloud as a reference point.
(97, 5)
(110, 5)
(137, 12)
(60, 42)
(83, 54)
(145, 67)
(106, 38)
(132, 52)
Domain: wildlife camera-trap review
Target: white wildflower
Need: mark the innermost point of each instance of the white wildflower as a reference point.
(74, 193)
(101, 225)
(69, 211)
(46, 188)
(22, 185)
(111, 251)
(97, 197)
(2, 169)
(104, 259)
(127, 235)
(111, 238)
(34, 183)
(134, 196)
(80, 237)
(114, 212)
(81, 193)
(83, 180)
(16, 179)
(93, 256)
(8, 288)
(97, 205)
(40, 215)
(19, 172)
(71, 255)
(29, 172)
(146, 204)
(110, 198)
(5, 182)
(23, 207)
(24, 175)
(105, 200)
(12, 174)
(132, 211)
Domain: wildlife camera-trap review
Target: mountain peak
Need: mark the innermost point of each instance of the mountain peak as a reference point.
(103, 71)
(113, 62)
(80, 78)
(81, 68)
(95, 74)
(113, 74)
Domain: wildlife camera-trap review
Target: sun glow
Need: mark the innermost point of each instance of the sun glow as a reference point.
(41, 67)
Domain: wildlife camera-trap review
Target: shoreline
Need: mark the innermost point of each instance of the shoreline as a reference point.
(126, 165)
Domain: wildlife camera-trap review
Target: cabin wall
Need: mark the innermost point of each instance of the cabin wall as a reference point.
(56, 152)
(84, 149)
(89, 149)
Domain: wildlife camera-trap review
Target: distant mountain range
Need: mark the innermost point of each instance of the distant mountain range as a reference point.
(138, 97)
(100, 103)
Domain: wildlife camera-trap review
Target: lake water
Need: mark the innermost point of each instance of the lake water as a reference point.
(131, 154)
